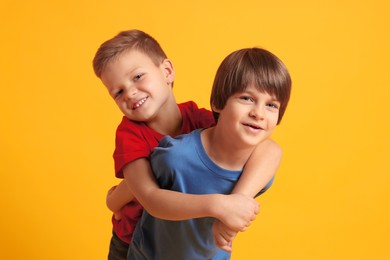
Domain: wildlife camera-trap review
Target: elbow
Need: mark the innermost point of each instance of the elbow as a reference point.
(153, 210)
(274, 148)
(111, 205)
(154, 213)
(278, 152)
(157, 209)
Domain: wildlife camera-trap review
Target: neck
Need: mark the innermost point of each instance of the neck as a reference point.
(224, 151)
(168, 120)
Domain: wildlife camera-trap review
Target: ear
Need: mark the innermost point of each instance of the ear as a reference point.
(168, 70)
(215, 109)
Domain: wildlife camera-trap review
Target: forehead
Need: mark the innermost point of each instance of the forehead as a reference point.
(127, 62)
(258, 90)
(131, 57)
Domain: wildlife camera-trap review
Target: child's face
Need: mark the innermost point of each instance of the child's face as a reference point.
(250, 116)
(138, 86)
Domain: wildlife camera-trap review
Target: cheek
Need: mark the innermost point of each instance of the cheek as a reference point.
(119, 103)
(122, 105)
(273, 121)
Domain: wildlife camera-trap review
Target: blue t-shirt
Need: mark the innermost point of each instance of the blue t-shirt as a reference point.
(181, 164)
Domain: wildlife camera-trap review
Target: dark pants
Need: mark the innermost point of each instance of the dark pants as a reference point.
(118, 248)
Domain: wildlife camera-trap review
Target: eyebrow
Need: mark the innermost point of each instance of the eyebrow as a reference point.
(253, 92)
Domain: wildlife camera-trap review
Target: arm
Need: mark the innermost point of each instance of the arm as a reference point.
(118, 196)
(235, 210)
(259, 170)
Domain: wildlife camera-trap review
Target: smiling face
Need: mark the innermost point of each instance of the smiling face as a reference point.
(254, 67)
(139, 87)
(249, 116)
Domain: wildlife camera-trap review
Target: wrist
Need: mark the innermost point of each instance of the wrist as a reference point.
(216, 207)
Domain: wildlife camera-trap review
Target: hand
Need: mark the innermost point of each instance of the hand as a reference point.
(223, 236)
(238, 211)
(117, 215)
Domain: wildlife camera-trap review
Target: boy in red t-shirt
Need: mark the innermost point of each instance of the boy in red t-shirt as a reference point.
(139, 77)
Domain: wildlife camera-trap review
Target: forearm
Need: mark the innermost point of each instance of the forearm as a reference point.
(258, 171)
(119, 197)
(167, 204)
(171, 205)
(260, 168)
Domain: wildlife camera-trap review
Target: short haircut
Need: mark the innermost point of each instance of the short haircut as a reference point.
(251, 66)
(126, 41)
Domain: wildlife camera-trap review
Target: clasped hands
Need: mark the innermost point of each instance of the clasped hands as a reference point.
(240, 211)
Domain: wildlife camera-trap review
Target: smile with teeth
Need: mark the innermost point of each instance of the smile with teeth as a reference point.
(139, 103)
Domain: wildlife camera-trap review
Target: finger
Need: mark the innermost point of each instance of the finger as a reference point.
(221, 243)
(231, 234)
(226, 248)
(253, 217)
(257, 209)
(226, 237)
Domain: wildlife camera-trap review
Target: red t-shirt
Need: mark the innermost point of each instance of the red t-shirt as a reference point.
(135, 140)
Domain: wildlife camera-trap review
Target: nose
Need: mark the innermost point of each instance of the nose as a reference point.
(130, 92)
(257, 112)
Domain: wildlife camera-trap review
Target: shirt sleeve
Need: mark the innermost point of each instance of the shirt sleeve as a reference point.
(130, 144)
(269, 184)
(161, 159)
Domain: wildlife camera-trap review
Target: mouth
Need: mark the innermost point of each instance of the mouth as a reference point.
(253, 126)
(139, 103)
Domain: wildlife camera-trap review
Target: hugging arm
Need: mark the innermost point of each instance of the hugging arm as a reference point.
(258, 171)
(235, 211)
(117, 197)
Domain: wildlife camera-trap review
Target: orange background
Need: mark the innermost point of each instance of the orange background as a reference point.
(330, 198)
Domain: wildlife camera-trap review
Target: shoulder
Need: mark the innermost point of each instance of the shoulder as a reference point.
(128, 132)
(196, 117)
(173, 153)
(189, 105)
(272, 147)
(129, 125)
(179, 145)
(132, 129)
(168, 141)
(135, 136)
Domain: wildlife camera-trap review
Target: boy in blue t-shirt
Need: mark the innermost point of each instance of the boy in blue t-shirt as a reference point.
(250, 94)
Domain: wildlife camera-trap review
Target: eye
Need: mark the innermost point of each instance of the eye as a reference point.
(246, 98)
(118, 93)
(138, 77)
(274, 105)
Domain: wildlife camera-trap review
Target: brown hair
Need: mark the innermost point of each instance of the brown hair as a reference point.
(251, 66)
(126, 41)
